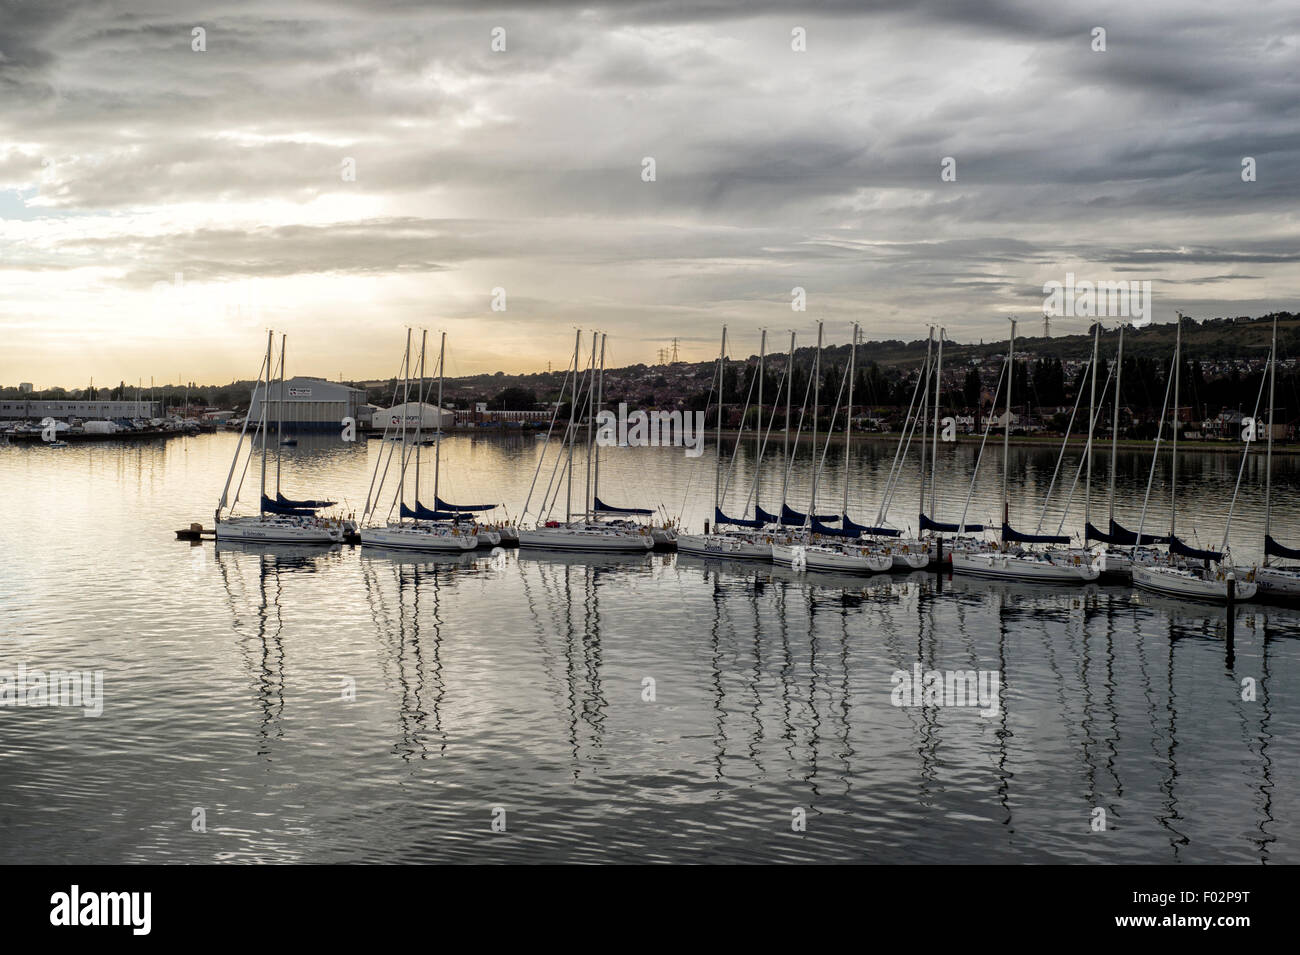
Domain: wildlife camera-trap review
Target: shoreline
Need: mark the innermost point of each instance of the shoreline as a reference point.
(775, 440)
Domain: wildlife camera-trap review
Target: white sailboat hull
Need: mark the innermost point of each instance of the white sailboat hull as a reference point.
(418, 537)
(272, 530)
(1278, 582)
(1002, 566)
(602, 540)
(732, 546)
(1190, 584)
(663, 536)
(909, 554)
(1116, 564)
(847, 558)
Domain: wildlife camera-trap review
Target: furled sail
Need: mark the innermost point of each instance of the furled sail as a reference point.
(765, 516)
(1011, 534)
(422, 513)
(819, 528)
(791, 517)
(603, 508)
(942, 528)
(1273, 549)
(1178, 547)
(276, 507)
(442, 505)
(312, 505)
(720, 518)
(856, 529)
(1122, 535)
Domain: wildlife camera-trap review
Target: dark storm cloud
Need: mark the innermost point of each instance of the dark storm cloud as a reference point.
(774, 168)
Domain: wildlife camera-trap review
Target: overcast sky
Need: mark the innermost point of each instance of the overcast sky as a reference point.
(126, 157)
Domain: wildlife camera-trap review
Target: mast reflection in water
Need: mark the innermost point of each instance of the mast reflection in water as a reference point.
(334, 705)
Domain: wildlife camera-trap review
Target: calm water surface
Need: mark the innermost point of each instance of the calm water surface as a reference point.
(517, 682)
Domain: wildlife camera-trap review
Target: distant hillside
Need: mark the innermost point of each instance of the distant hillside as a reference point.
(1211, 340)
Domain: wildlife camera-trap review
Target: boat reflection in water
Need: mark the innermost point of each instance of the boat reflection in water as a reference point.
(613, 699)
(257, 617)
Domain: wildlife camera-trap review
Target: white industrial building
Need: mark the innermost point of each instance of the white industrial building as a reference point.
(23, 409)
(307, 404)
(426, 416)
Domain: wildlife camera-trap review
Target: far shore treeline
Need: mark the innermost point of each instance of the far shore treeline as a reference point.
(1224, 360)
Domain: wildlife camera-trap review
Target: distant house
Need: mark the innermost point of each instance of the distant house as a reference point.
(1226, 424)
(1025, 424)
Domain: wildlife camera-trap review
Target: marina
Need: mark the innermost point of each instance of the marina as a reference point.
(772, 685)
(648, 433)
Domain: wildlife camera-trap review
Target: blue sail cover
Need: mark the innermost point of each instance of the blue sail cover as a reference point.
(819, 528)
(859, 529)
(1273, 549)
(277, 508)
(765, 516)
(312, 505)
(422, 513)
(720, 518)
(601, 507)
(929, 525)
(442, 505)
(1122, 535)
(1011, 534)
(791, 517)
(1178, 547)
(1093, 533)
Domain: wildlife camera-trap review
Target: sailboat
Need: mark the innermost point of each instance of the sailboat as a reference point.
(1085, 553)
(586, 534)
(932, 530)
(281, 504)
(1023, 564)
(793, 529)
(1177, 574)
(663, 533)
(841, 549)
(462, 516)
(1275, 580)
(910, 553)
(420, 533)
(748, 540)
(280, 520)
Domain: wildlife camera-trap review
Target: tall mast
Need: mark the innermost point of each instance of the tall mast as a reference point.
(279, 417)
(266, 421)
(419, 421)
(600, 400)
(590, 438)
(817, 382)
(758, 422)
(717, 471)
(406, 400)
(1173, 480)
(590, 441)
(925, 405)
(848, 421)
(1114, 425)
(1092, 420)
(789, 389)
(437, 448)
(1268, 458)
(1006, 433)
(934, 450)
(569, 434)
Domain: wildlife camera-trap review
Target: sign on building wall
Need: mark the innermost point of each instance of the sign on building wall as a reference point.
(299, 392)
